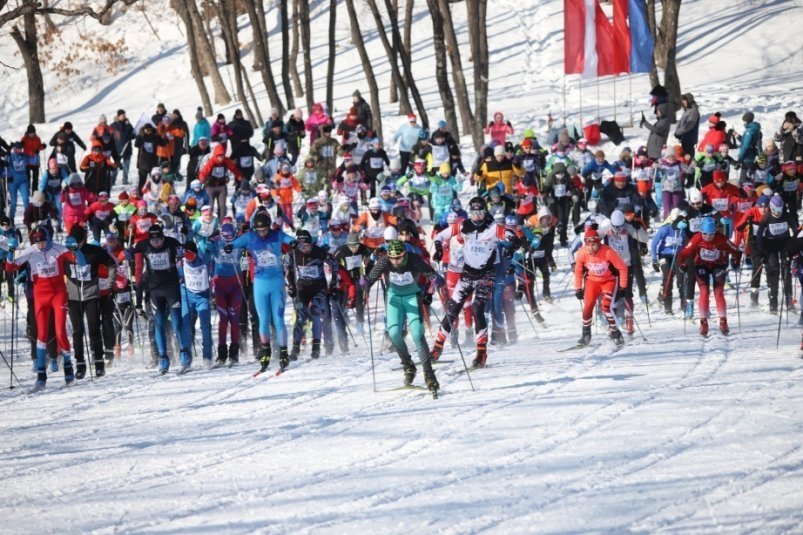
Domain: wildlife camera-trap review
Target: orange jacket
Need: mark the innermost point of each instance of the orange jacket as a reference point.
(171, 135)
(374, 234)
(599, 266)
(31, 145)
(285, 185)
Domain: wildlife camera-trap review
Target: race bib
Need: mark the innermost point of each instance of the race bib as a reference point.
(148, 147)
(245, 263)
(708, 167)
(353, 262)
(477, 253)
(528, 164)
(218, 172)
(61, 158)
(123, 216)
(327, 151)
(621, 202)
(310, 177)
(538, 254)
(124, 297)
(694, 224)
(144, 224)
(672, 241)
(720, 205)
(791, 185)
(744, 206)
(266, 258)
(47, 269)
(560, 190)
(159, 261)
(777, 229)
(246, 161)
(206, 229)
(196, 279)
(81, 273)
(376, 163)
(709, 255)
(75, 198)
(19, 165)
(104, 284)
(375, 232)
(440, 154)
(401, 279)
(54, 183)
(308, 272)
(597, 268)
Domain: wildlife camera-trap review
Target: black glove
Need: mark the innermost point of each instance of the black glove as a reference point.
(228, 248)
(621, 293)
(438, 255)
(427, 299)
(764, 259)
(519, 291)
(291, 291)
(683, 267)
(293, 244)
(656, 267)
(579, 294)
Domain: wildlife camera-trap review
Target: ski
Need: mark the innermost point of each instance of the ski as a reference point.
(578, 346)
(434, 363)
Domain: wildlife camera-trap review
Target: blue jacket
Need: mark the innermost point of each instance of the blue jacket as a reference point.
(407, 136)
(667, 241)
(593, 168)
(266, 252)
(201, 129)
(751, 143)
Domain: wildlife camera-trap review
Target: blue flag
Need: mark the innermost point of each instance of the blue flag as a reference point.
(641, 43)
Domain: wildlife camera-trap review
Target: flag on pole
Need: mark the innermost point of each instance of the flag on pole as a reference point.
(621, 36)
(641, 43)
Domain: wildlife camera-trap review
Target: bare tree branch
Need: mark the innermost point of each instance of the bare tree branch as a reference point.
(35, 7)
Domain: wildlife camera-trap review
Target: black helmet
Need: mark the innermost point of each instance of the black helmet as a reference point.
(156, 232)
(303, 236)
(261, 220)
(477, 203)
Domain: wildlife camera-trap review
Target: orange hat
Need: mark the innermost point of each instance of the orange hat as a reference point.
(679, 151)
(643, 186)
(526, 143)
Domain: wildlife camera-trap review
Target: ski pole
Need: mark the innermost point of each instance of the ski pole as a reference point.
(345, 320)
(647, 306)
(13, 375)
(738, 281)
(13, 336)
(459, 349)
(780, 313)
(633, 315)
(370, 335)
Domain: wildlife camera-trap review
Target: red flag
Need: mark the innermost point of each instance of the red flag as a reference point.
(606, 51)
(621, 36)
(574, 15)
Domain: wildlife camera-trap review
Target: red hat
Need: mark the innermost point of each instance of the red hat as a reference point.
(789, 166)
(141, 204)
(713, 119)
(526, 143)
(591, 234)
(411, 117)
(123, 196)
(719, 174)
(643, 186)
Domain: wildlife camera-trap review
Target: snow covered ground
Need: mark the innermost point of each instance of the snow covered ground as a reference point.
(674, 433)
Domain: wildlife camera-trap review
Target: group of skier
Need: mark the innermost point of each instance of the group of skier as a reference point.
(325, 228)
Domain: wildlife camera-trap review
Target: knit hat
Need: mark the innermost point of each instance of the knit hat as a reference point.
(748, 117)
(120, 112)
(590, 234)
(353, 239)
(763, 201)
(776, 201)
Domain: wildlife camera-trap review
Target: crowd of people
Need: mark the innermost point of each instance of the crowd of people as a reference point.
(204, 221)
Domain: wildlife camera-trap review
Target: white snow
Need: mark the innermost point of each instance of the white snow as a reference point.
(675, 433)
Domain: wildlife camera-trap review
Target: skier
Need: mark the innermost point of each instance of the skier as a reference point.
(709, 250)
(666, 244)
(161, 255)
(772, 236)
(48, 263)
(264, 244)
(599, 273)
(228, 295)
(480, 236)
(400, 270)
(195, 298)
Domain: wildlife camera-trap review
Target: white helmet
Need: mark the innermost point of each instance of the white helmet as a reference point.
(323, 196)
(195, 185)
(617, 218)
(695, 196)
(373, 204)
(391, 233)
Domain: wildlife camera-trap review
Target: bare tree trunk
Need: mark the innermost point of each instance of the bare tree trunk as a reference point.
(253, 96)
(476, 11)
(406, 64)
(651, 22)
(261, 49)
(394, 91)
(29, 49)
(294, 53)
(288, 90)
(206, 55)
(228, 23)
(356, 37)
(330, 70)
(459, 79)
(303, 21)
(180, 7)
(404, 102)
(441, 68)
(669, 37)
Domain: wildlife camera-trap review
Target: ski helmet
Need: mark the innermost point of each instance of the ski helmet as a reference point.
(695, 196)
(708, 225)
(227, 231)
(303, 236)
(396, 249)
(617, 218)
(373, 204)
(391, 234)
(476, 203)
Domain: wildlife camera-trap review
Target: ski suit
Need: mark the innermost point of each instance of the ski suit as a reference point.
(710, 264)
(308, 287)
(195, 305)
(604, 273)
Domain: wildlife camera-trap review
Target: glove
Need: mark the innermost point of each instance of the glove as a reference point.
(552, 266)
(293, 244)
(438, 255)
(363, 282)
(764, 259)
(579, 294)
(655, 267)
(427, 299)
(439, 282)
(621, 293)
(575, 198)
(291, 291)
(129, 255)
(228, 248)
(683, 267)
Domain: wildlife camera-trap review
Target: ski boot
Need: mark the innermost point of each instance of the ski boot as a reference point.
(41, 381)
(234, 354)
(69, 375)
(512, 337)
(409, 373)
(264, 357)
(284, 360)
(295, 352)
(629, 327)
(437, 349)
(80, 369)
(754, 298)
(689, 310)
(479, 360)
(54, 365)
(548, 298)
(184, 369)
(537, 315)
(316, 349)
(585, 338)
(432, 384)
(100, 367)
(703, 327)
(723, 326)
(222, 354)
(617, 338)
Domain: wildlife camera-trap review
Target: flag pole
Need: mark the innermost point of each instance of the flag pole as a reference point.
(598, 101)
(630, 115)
(564, 96)
(580, 82)
(614, 97)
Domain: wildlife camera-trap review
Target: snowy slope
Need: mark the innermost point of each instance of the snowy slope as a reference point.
(674, 433)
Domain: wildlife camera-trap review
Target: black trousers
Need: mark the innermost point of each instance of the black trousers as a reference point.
(89, 309)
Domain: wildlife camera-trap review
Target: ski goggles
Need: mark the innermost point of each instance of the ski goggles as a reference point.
(477, 214)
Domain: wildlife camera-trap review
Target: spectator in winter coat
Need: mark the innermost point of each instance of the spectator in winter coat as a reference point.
(325, 150)
(123, 134)
(317, 119)
(202, 127)
(182, 142)
(407, 135)
(364, 116)
(789, 137)
(499, 129)
(751, 143)
(715, 135)
(161, 111)
(221, 131)
(64, 142)
(147, 142)
(659, 131)
(98, 169)
(688, 128)
(173, 136)
(197, 154)
(295, 131)
(499, 170)
(241, 128)
(31, 145)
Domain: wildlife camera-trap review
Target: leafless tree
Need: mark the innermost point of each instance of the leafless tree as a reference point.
(356, 37)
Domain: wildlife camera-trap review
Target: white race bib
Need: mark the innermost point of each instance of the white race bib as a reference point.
(47, 269)
(401, 279)
(597, 268)
(61, 158)
(538, 253)
(560, 190)
(694, 224)
(720, 205)
(376, 163)
(159, 261)
(353, 262)
(266, 258)
(777, 229)
(246, 161)
(81, 273)
(196, 279)
(124, 297)
(709, 255)
(308, 272)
